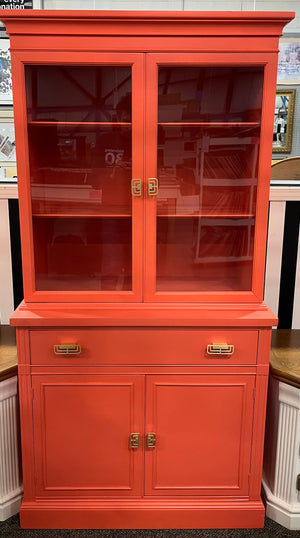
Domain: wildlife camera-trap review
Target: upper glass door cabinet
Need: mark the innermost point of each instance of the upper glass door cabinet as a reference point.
(144, 153)
(144, 178)
(206, 165)
(82, 135)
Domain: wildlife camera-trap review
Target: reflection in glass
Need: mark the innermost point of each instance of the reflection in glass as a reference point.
(207, 161)
(210, 94)
(83, 93)
(80, 153)
(80, 169)
(88, 254)
(207, 170)
(203, 254)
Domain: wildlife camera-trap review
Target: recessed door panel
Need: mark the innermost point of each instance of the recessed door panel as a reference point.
(203, 428)
(82, 434)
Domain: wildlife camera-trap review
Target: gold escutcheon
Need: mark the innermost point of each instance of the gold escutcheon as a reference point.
(152, 186)
(151, 440)
(134, 440)
(136, 187)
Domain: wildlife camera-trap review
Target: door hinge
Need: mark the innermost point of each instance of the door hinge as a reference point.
(254, 393)
(298, 483)
(32, 393)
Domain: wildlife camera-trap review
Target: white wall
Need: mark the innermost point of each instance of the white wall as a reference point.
(185, 5)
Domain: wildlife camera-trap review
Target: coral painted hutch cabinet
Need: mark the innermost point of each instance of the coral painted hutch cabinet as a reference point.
(144, 150)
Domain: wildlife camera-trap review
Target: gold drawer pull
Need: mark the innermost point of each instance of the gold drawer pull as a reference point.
(134, 440)
(67, 349)
(151, 440)
(220, 349)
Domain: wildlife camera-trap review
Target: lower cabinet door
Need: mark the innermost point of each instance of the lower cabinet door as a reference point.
(198, 431)
(88, 434)
(82, 428)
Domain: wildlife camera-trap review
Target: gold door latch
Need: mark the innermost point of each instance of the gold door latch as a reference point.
(134, 440)
(67, 349)
(151, 440)
(152, 186)
(136, 187)
(220, 349)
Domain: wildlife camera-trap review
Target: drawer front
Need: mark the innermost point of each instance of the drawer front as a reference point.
(143, 346)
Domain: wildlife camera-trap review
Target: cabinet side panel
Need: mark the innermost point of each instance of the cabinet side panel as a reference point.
(25, 398)
(260, 403)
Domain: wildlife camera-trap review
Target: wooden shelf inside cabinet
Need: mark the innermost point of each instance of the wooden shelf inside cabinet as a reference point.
(206, 218)
(205, 284)
(97, 283)
(42, 123)
(229, 182)
(82, 215)
(208, 124)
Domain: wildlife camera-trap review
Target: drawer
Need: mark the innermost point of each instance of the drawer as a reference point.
(150, 346)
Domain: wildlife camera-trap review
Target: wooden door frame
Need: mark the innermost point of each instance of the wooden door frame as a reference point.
(19, 60)
(269, 62)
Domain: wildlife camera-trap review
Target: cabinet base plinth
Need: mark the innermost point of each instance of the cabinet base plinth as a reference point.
(141, 514)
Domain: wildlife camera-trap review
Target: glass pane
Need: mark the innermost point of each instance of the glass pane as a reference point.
(207, 166)
(80, 153)
(210, 94)
(80, 169)
(203, 254)
(207, 170)
(77, 93)
(83, 254)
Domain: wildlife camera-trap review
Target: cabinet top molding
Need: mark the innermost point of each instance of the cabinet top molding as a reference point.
(143, 315)
(145, 22)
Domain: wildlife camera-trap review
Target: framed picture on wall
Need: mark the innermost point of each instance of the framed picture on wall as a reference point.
(283, 120)
(289, 61)
(7, 142)
(5, 74)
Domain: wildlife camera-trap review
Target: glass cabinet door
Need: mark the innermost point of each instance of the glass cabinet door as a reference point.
(82, 144)
(206, 135)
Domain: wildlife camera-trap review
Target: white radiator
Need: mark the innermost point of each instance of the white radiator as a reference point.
(282, 454)
(10, 476)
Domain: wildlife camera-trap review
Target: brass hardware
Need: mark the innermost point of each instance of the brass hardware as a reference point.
(298, 483)
(151, 440)
(67, 349)
(136, 187)
(220, 349)
(134, 440)
(152, 186)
